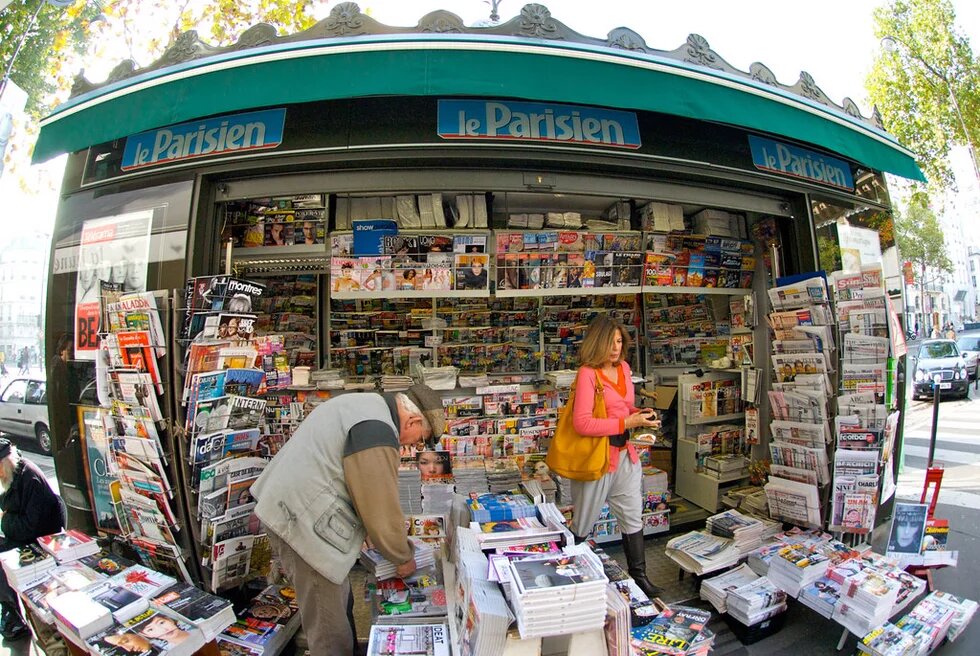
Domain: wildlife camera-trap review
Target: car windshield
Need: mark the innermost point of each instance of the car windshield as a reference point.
(940, 350)
(969, 343)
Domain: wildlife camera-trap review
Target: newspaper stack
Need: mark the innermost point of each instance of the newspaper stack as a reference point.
(746, 532)
(677, 631)
(715, 590)
(484, 626)
(558, 595)
(437, 497)
(699, 553)
(394, 640)
(822, 596)
(503, 474)
(470, 474)
(409, 487)
(794, 567)
(928, 624)
(756, 601)
(562, 378)
(26, 564)
(383, 569)
(617, 623)
(866, 601)
(964, 609)
(419, 599)
(327, 379)
(393, 383)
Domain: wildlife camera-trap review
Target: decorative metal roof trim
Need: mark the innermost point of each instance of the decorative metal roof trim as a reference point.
(534, 22)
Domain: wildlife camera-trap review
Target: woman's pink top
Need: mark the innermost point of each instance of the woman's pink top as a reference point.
(619, 406)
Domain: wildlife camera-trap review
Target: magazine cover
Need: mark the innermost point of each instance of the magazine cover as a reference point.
(540, 574)
(471, 271)
(908, 528)
(235, 294)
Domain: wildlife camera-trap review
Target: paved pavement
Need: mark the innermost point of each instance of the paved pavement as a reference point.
(806, 633)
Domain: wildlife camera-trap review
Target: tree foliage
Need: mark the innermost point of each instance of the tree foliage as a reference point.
(913, 82)
(920, 237)
(62, 42)
(49, 40)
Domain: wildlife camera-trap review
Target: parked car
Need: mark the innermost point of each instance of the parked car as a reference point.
(969, 345)
(940, 363)
(24, 410)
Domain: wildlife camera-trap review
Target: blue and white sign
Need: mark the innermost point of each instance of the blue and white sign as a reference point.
(784, 159)
(237, 133)
(506, 120)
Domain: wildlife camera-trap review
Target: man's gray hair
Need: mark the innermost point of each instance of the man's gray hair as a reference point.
(409, 406)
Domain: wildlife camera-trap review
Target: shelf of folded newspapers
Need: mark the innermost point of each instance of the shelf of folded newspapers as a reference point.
(664, 289)
(568, 291)
(420, 293)
(794, 502)
(711, 419)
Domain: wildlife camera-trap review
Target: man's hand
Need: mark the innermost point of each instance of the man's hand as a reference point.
(406, 569)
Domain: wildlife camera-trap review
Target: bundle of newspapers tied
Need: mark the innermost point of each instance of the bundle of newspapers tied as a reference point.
(375, 563)
(700, 552)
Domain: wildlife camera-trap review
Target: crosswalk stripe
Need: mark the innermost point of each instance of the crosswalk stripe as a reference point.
(970, 441)
(942, 455)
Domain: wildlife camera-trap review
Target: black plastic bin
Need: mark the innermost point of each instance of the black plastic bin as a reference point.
(748, 635)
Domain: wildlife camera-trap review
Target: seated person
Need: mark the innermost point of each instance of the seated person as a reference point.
(31, 509)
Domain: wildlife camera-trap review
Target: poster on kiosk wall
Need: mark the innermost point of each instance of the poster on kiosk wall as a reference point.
(114, 249)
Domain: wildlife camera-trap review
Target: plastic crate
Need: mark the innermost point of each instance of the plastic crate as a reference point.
(748, 635)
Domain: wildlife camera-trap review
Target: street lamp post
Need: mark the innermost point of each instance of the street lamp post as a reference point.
(889, 44)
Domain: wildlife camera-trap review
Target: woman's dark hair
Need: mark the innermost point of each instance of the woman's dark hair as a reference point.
(66, 340)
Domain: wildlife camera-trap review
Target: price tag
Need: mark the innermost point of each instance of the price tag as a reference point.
(433, 340)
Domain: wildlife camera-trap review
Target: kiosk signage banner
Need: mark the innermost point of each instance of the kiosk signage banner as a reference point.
(224, 134)
(499, 120)
(796, 162)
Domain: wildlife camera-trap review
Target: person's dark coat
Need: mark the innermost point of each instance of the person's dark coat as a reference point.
(30, 507)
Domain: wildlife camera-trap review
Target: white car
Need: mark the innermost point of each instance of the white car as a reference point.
(969, 344)
(24, 410)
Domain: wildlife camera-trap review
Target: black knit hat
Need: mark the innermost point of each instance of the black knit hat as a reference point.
(4, 447)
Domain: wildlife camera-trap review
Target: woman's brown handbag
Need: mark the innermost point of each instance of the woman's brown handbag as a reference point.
(574, 456)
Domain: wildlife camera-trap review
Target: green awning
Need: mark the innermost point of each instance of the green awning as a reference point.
(457, 66)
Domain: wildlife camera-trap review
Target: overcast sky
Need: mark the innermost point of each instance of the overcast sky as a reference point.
(832, 40)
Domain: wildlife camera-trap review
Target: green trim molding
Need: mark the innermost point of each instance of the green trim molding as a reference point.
(453, 67)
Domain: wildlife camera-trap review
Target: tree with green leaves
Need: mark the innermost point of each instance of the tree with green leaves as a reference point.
(921, 242)
(925, 81)
(59, 42)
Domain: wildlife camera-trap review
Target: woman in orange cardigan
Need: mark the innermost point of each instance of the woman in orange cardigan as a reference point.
(602, 357)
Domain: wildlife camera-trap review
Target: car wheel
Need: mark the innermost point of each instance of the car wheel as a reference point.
(43, 438)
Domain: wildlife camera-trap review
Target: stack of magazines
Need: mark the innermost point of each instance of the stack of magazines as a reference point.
(558, 595)
(745, 531)
(25, 564)
(383, 569)
(409, 487)
(470, 475)
(409, 640)
(866, 601)
(928, 624)
(418, 599)
(677, 631)
(888, 640)
(756, 601)
(964, 609)
(794, 567)
(822, 596)
(715, 590)
(699, 553)
(497, 507)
